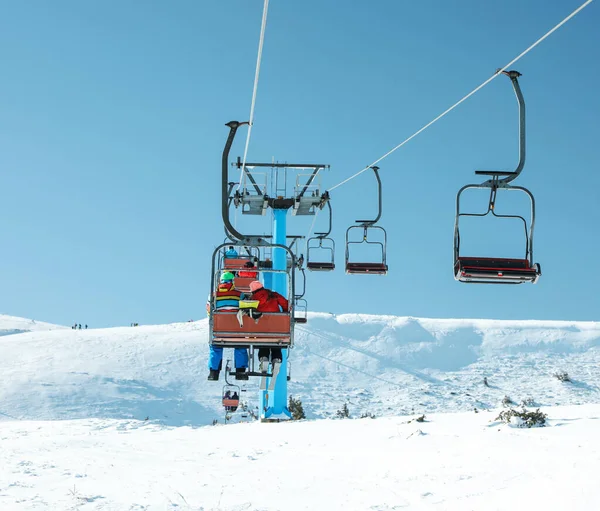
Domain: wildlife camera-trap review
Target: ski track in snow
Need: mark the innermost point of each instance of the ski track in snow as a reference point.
(116, 419)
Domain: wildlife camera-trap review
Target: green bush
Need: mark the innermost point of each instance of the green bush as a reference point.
(296, 409)
(562, 376)
(527, 419)
(344, 413)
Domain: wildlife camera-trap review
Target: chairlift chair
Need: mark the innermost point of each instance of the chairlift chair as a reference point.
(301, 311)
(493, 270)
(380, 266)
(272, 329)
(324, 247)
(231, 393)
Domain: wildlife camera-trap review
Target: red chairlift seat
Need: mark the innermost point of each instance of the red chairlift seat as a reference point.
(272, 329)
(364, 268)
(495, 270)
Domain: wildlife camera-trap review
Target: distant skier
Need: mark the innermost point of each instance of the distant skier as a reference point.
(79, 326)
(86, 327)
(227, 298)
(268, 301)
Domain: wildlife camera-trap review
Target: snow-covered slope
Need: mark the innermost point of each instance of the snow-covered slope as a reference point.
(113, 459)
(10, 325)
(383, 365)
(450, 462)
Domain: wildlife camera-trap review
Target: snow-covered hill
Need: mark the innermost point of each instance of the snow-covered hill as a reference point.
(10, 325)
(383, 365)
(131, 401)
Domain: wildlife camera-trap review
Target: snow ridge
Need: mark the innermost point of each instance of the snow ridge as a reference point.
(383, 365)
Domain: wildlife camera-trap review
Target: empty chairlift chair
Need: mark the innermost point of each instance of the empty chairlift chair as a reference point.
(493, 270)
(320, 250)
(378, 266)
(300, 311)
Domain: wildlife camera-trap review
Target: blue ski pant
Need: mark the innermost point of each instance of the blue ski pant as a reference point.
(215, 357)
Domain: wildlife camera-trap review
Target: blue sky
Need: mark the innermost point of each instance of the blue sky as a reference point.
(112, 129)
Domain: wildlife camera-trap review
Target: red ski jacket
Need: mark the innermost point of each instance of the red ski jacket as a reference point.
(269, 301)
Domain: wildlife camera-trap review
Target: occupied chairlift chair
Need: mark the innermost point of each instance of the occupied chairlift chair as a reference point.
(231, 393)
(244, 266)
(272, 329)
(492, 270)
(379, 267)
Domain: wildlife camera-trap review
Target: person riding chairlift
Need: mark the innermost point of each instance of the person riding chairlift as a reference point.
(249, 272)
(231, 252)
(268, 301)
(227, 298)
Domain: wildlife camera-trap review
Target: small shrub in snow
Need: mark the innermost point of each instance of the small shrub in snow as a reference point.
(523, 418)
(296, 409)
(527, 402)
(367, 415)
(507, 401)
(562, 376)
(344, 413)
(421, 418)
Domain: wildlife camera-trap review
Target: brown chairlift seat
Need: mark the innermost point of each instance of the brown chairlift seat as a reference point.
(243, 283)
(271, 329)
(236, 263)
(231, 405)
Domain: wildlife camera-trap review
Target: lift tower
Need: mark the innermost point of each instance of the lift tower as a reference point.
(264, 186)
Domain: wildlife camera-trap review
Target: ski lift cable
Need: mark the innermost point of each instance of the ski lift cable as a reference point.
(263, 26)
(496, 74)
(312, 226)
(354, 368)
(349, 346)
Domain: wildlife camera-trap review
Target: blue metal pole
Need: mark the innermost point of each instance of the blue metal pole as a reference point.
(275, 402)
(268, 280)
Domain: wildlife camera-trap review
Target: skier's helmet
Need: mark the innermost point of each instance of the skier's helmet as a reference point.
(227, 277)
(255, 285)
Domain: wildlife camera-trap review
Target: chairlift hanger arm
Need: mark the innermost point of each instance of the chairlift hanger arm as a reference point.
(322, 235)
(301, 295)
(229, 228)
(510, 176)
(367, 223)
